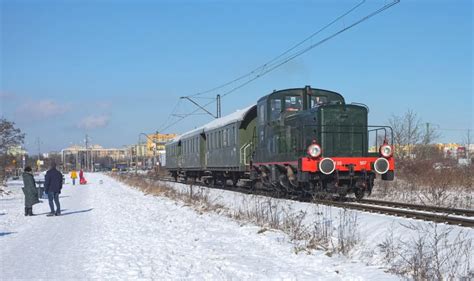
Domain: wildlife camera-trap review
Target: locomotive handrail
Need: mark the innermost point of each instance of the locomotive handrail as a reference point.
(242, 154)
(246, 162)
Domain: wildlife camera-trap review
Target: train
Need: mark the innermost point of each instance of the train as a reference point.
(294, 141)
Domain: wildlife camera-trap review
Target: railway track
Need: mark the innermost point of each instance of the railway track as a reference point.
(451, 216)
(421, 212)
(426, 208)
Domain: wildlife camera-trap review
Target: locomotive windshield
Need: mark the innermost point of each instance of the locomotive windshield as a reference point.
(294, 100)
(293, 103)
(317, 101)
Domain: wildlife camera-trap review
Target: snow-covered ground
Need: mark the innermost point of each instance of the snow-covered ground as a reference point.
(394, 243)
(109, 230)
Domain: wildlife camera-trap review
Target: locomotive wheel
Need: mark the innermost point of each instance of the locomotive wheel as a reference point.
(212, 182)
(359, 193)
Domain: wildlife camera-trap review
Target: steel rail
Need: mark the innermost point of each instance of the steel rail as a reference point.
(420, 212)
(427, 208)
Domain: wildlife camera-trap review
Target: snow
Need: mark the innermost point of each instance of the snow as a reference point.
(236, 116)
(373, 228)
(109, 230)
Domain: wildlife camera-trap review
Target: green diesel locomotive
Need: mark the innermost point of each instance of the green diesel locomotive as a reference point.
(302, 140)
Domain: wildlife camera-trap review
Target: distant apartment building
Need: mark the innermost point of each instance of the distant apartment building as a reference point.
(157, 142)
(77, 157)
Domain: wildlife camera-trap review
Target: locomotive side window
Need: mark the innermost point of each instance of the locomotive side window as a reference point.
(275, 105)
(293, 103)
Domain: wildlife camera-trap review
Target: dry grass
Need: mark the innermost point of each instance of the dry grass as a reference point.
(269, 214)
(420, 182)
(431, 254)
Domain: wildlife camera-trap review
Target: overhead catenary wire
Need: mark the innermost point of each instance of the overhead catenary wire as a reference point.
(269, 63)
(260, 69)
(280, 60)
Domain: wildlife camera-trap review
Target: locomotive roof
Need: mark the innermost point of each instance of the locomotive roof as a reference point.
(236, 116)
(298, 91)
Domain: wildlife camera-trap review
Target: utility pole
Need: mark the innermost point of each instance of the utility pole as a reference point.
(87, 160)
(218, 101)
(136, 155)
(38, 142)
(468, 156)
(427, 133)
(154, 149)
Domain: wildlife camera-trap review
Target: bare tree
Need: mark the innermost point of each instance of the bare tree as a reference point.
(430, 134)
(413, 133)
(408, 132)
(9, 137)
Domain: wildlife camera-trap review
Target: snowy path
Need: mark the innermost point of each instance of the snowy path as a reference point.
(111, 231)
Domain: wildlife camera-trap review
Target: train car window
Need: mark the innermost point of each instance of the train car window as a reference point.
(219, 139)
(261, 113)
(214, 144)
(275, 105)
(318, 100)
(233, 136)
(225, 138)
(293, 103)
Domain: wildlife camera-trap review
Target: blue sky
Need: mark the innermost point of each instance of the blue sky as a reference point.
(114, 69)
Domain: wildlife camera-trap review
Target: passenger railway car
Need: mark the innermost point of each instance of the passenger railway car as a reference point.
(295, 140)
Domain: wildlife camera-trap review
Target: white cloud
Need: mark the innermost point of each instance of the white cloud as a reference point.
(93, 122)
(42, 109)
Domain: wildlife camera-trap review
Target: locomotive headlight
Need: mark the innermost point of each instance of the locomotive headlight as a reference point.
(386, 150)
(314, 150)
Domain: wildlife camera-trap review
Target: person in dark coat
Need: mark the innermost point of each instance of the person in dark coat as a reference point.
(30, 191)
(53, 183)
